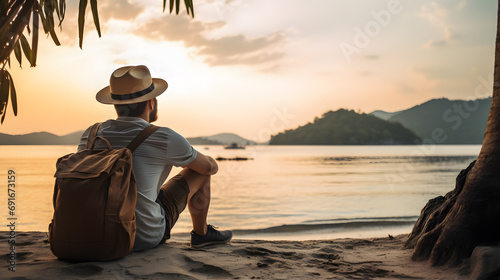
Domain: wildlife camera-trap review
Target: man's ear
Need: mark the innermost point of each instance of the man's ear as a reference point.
(151, 104)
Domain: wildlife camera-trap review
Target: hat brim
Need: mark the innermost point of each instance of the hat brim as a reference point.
(104, 95)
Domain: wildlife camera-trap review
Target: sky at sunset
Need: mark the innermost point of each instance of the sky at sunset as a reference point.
(257, 67)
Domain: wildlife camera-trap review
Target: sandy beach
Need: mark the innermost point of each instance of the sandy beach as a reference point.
(373, 258)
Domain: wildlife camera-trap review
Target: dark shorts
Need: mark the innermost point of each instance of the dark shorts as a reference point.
(173, 198)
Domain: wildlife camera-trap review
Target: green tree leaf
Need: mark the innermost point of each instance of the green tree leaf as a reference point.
(26, 49)
(50, 17)
(62, 9)
(4, 6)
(34, 39)
(42, 19)
(13, 25)
(13, 95)
(93, 5)
(17, 53)
(56, 8)
(46, 16)
(192, 7)
(81, 20)
(4, 93)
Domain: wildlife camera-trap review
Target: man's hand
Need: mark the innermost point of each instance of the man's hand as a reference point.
(204, 165)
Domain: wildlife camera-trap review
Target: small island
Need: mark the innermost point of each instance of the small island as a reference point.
(346, 127)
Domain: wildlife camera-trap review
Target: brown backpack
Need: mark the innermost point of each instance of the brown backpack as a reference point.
(95, 194)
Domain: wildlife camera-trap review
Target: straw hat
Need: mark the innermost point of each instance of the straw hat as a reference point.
(131, 84)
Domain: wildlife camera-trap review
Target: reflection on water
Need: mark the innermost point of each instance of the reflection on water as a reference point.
(282, 185)
(387, 159)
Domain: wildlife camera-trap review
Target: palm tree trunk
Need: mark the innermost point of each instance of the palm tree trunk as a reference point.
(450, 227)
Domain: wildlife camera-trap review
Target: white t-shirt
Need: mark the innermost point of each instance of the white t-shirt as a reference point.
(152, 163)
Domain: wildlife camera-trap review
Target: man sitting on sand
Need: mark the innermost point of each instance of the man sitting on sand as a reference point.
(133, 93)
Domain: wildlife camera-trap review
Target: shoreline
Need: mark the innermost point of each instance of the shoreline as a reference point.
(312, 234)
(344, 258)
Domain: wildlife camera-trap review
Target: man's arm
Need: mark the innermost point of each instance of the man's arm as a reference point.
(205, 165)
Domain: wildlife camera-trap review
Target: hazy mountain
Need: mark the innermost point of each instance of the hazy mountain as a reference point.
(45, 138)
(444, 121)
(383, 114)
(437, 121)
(228, 138)
(40, 138)
(346, 127)
(202, 141)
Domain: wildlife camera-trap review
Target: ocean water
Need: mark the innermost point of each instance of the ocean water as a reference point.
(281, 192)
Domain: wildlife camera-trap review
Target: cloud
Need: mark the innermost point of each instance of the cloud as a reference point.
(438, 16)
(449, 37)
(227, 50)
(252, 59)
(108, 10)
(222, 7)
(435, 44)
(121, 10)
(435, 13)
(239, 49)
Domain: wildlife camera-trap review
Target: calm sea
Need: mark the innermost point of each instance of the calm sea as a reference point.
(282, 192)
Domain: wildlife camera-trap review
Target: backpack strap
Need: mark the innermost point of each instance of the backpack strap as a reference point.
(143, 135)
(92, 134)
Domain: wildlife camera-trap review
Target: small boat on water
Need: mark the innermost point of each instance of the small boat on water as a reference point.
(234, 146)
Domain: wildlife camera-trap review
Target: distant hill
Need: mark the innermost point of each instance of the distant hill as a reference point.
(202, 141)
(40, 138)
(45, 138)
(383, 114)
(228, 138)
(458, 121)
(346, 127)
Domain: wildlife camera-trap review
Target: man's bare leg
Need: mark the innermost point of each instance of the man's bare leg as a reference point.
(198, 199)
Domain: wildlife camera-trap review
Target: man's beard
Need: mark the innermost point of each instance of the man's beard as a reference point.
(153, 116)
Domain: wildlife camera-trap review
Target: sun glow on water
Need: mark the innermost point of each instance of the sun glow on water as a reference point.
(283, 185)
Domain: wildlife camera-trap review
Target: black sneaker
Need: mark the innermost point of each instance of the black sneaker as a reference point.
(212, 237)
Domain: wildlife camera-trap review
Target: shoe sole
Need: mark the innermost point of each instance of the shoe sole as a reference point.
(196, 246)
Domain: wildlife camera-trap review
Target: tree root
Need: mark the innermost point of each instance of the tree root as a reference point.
(433, 214)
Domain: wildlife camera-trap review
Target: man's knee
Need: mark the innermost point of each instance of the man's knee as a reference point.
(194, 179)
